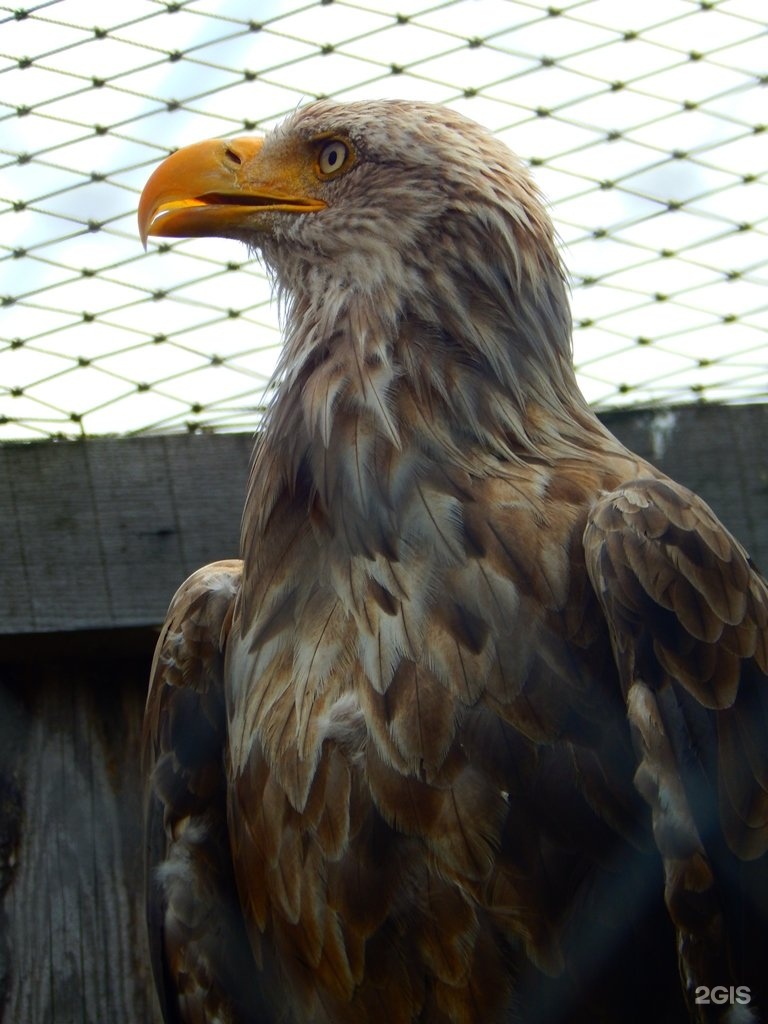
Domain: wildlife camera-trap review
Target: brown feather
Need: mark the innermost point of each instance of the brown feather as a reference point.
(202, 961)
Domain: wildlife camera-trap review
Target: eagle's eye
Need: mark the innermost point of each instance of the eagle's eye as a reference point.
(333, 156)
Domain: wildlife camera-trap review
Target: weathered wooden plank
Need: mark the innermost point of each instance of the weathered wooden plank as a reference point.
(99, 534)
(48, 541)
(72, 920)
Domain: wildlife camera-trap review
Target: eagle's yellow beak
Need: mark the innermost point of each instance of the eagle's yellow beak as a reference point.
(215, 188)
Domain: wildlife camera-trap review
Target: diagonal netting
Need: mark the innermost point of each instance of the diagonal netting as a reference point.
(645, 124)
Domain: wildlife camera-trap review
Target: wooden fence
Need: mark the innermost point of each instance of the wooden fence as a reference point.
(95, 538)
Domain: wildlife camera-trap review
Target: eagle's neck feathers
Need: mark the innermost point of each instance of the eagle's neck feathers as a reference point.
(462, 362)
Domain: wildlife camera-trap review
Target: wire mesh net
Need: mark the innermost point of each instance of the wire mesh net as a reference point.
(644, 124)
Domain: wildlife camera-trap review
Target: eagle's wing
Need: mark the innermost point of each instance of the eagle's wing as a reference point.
(201, 959)
(688, 615)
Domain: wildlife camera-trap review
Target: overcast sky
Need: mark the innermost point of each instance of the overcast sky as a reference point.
(639, 119)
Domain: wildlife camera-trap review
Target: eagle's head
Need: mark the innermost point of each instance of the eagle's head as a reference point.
(404, 238)
(384, 196)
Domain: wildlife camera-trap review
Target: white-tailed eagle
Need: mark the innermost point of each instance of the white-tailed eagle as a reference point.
(475, 730)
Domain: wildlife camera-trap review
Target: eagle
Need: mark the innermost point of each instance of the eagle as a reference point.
(475, 730)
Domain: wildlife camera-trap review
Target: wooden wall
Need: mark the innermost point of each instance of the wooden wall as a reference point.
(72, 942)
(95, 538)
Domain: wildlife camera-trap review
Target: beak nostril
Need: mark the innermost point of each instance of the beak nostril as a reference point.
(230, 154)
